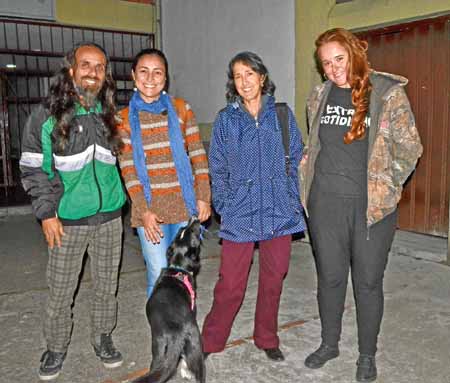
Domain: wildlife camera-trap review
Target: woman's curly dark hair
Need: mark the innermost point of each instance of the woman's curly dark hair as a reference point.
(63, 96)
(253, 61)
(359, 70)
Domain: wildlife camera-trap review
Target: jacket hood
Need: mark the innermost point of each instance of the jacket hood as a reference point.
(267, 102)
(382, 82)
(389, 76)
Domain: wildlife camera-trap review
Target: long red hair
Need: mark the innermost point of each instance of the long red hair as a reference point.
(358, 76)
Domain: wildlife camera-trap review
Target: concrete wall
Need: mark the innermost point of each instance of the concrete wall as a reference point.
(109, 14)
(312, 18)
(201, 36)
(38, 9)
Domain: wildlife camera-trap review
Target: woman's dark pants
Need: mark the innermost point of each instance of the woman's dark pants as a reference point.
(342, 242)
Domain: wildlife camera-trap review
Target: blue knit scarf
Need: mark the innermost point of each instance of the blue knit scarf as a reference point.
(180, 157)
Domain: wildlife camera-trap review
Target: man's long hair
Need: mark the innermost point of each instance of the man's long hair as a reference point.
(358, 76)
(63, 96)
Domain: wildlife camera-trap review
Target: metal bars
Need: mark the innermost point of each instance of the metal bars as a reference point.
(30, 53)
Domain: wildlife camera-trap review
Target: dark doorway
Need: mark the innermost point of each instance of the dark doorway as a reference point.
(420, 51)
(30, 52)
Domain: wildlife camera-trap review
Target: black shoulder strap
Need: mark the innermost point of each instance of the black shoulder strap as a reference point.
(283, 120)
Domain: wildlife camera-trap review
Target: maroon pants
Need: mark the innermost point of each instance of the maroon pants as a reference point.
(230, 289)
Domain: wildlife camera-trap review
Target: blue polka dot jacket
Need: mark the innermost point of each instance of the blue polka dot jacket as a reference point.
(251, 191)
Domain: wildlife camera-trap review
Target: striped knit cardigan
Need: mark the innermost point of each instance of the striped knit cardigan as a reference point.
(167, 199)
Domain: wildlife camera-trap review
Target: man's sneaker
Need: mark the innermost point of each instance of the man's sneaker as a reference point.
(107, 353)
(322, 355)
(51, 364)
(367, 368)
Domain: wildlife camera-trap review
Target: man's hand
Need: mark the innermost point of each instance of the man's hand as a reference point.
(204, 210)
(53, 231)
(152, 229)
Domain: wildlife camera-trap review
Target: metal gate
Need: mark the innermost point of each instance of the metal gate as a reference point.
(30, 53)
(420, 51)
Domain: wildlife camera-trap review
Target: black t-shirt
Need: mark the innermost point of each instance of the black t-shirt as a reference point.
(340, 168)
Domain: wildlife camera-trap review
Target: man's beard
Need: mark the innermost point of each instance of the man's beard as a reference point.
(88, 96)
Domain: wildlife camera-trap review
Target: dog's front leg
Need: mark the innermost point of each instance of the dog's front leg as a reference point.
(184, 370)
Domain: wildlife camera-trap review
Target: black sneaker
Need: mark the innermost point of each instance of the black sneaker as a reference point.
(367, 368)
(322, 355)
(107, 353)
(51, 364)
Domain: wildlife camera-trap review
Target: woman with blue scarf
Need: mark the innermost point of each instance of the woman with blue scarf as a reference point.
(163, 162)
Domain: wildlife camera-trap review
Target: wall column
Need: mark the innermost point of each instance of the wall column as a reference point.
(311, 19)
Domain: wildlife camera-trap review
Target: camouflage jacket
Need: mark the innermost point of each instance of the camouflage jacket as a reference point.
(394, 143)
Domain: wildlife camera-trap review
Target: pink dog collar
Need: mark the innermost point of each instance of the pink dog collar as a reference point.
(187, 283)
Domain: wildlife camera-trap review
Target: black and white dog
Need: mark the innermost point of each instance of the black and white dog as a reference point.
(171, 312)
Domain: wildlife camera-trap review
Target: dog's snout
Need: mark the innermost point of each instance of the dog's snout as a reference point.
(193, 220)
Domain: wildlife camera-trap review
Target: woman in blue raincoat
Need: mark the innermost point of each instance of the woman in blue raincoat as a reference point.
(257, 199)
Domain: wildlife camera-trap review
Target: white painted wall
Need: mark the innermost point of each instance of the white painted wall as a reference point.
(200, 37)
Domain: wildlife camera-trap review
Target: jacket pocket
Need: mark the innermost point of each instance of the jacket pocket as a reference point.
(382, 198)
(239, 212)
(81, 196)
(286, 206)
(111, 189)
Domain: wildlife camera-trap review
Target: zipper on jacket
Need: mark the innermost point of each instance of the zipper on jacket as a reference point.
(96, 181)
(260, 178)
(249, 193)
(273, 204)
(100, 122)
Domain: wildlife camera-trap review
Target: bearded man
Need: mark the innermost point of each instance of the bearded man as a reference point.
(68, 167)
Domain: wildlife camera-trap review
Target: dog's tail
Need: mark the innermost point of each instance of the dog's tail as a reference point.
(158, 375)
(165, 362)
(149, 378)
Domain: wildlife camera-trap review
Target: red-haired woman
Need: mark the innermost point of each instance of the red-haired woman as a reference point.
(362, 146)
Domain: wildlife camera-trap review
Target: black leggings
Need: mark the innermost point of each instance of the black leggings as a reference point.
(341, 240)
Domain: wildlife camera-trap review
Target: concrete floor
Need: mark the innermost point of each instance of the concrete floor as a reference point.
(414, 343)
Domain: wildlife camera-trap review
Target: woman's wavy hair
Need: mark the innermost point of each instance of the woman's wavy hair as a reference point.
(63, 97)
(359, 69)
(253, 61)
(153, 52)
